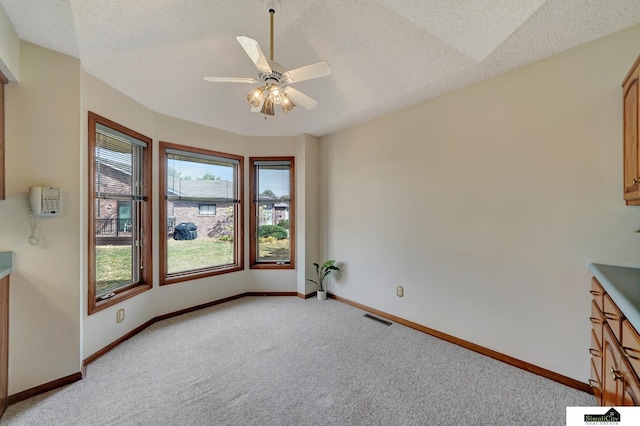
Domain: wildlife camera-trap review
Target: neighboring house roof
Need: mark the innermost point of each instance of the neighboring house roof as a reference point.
(121, 167)
(181, 187)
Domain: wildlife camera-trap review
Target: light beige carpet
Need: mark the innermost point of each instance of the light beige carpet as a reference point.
(288, 361)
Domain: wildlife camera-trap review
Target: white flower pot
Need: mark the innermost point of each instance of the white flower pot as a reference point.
(322, 294)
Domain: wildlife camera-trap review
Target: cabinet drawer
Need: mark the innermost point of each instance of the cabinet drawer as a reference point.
(597, 292)
(613, 316)
(631, 345)
(597, 321)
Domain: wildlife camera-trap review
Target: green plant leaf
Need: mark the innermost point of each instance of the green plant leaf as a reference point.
(328, 263)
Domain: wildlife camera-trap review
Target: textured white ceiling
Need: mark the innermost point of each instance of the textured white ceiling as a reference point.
(385, 55)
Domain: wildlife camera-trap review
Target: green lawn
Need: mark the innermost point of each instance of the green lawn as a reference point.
(277, 250)
(185, 255)
(113, 263)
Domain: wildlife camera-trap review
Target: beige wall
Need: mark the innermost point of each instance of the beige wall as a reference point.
(488, 203)
(306, 168)
(9, 48)
(101, 328)
(43, 149)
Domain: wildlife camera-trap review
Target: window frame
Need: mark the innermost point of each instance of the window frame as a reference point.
(165, 277)
(145, 281)
(253, 222)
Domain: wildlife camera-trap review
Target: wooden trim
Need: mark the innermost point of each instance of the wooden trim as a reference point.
(567, 381)
(271, 293)
(146, 277)
(253, 226)
(631, 70)
(165, 278)
(307, 296)
(198, 307)
(115, 343)
(46, 387)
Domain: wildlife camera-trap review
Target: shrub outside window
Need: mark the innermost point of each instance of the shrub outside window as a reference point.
(201, 205)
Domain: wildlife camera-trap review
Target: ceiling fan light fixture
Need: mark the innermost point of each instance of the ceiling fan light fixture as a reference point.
(267, 106)
(287, 104)
(256, 97)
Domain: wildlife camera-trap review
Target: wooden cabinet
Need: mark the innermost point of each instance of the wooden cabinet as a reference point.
(4, 342)
(631, 136)
(615, 352)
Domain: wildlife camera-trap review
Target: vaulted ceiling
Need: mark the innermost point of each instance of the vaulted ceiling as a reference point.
(384, 54)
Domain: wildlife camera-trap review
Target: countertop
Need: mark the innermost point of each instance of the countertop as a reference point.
(623, 286)
(5, 263)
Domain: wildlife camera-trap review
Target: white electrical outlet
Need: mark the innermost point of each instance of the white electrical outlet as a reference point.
(399, 291)
(120, 315)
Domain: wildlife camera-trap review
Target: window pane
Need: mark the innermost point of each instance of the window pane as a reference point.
(197, 241)
(198, 178)
(116, 257)
(273, 182)
(118, 172)
(274, 244)
(118, 167)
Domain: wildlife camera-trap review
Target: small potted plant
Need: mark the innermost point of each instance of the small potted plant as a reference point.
(322, 271)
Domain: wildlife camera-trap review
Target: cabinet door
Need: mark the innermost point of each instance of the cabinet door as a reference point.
(631, 119)
(611, 376)
(596, 367)
(594, 381)
(631, 387)
(631, 345)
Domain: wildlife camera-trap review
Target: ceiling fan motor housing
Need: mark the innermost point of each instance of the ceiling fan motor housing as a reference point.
(276, 74)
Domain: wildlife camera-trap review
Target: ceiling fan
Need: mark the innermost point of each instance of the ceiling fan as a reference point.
(277, 89)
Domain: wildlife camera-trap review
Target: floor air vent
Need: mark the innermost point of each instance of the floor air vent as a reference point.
(380, 320)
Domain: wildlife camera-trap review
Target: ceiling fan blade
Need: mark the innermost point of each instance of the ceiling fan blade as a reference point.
(231, 79)
(300, 98)
(307, 72)
(255, 53)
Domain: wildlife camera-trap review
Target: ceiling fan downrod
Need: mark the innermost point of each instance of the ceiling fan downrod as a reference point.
(271, 13)
(271, 6)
